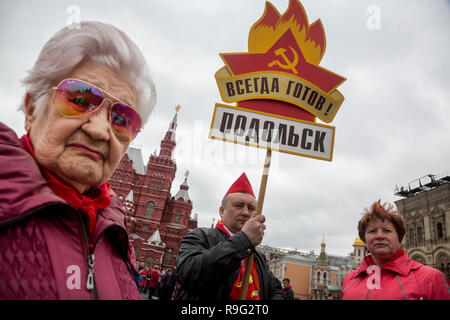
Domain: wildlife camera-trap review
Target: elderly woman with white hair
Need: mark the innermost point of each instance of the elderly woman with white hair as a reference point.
(62, 230)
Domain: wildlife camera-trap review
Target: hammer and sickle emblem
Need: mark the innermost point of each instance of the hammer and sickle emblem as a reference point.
(289, 64)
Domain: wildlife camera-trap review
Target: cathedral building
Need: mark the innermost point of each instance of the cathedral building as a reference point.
(325, 277)
(320, 274)
(156, 220)
(313, 277)
(425, 205)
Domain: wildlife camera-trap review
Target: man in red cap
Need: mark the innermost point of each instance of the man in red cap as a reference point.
(211, 261)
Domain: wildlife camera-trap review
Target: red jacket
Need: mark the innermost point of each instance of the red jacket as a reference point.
(145, 273)
(400, 279)
(43, 242)
(154, 281)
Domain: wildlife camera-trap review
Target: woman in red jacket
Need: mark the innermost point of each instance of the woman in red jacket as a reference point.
(387, 273)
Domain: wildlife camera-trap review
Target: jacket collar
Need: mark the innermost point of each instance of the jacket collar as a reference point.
(23, 188)
(400, 264)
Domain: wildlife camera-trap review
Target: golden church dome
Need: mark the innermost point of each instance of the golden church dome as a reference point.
(358, 242)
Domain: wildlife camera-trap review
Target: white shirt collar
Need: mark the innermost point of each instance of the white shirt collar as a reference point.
(231, 233)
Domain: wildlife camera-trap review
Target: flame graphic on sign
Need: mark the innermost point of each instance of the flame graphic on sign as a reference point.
(271, 26)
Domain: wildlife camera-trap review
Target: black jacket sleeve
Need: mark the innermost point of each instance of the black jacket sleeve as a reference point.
(271, 286)
(208, 263)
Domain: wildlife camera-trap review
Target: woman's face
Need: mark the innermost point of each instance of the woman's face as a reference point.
(381, 240)
(81, 151)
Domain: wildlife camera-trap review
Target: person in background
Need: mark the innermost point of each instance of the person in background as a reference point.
(154, 283)
(62, 229)
(288, 289)
(387, 273)
(164, 291)
(146, 274)
(137, 276)
(211, 261)
(162, 273)
(171, 284)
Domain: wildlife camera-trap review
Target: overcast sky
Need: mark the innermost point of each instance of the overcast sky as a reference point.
(393, 126)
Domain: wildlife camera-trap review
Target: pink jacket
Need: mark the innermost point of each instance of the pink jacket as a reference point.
(43, 246)
(401, 279)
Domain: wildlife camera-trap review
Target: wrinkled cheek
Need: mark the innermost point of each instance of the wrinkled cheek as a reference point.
(109, 166)
(47, 157)
(115, 155)
(106, 173)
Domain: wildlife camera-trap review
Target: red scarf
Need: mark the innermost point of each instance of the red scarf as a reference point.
(253, 283)
(89, 203)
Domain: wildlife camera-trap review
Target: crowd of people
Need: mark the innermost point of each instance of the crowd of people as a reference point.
(155, 284)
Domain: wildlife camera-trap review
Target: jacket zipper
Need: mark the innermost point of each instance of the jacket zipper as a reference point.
(90, 283)
(90, 279)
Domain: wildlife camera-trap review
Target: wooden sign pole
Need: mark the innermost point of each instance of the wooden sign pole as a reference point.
(259, 206)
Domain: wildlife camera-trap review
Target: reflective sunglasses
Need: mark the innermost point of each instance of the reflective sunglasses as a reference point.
(76, 98)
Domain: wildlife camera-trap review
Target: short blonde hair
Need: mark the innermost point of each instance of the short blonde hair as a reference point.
(382, 212)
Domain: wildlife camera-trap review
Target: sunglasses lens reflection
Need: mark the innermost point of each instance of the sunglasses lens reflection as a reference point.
(125, 122)
(75, 98)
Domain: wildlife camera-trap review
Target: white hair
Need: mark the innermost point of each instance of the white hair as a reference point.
(94, 42)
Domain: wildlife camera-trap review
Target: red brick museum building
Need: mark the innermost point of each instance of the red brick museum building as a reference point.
(156, 220)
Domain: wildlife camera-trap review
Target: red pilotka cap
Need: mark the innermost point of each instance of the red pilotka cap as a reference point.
(241, 185)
